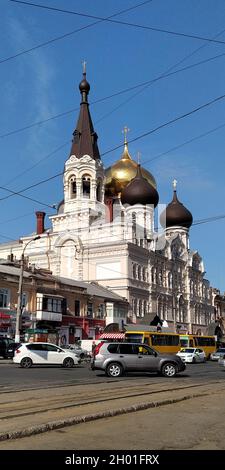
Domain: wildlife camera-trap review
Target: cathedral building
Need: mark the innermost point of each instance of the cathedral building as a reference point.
(104, 232)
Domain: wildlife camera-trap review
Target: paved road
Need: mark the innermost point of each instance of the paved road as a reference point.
(13, 376)
(194, 424)
(40, 399)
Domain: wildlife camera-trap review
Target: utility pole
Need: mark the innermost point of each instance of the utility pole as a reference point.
(19, 300)
(20, 292)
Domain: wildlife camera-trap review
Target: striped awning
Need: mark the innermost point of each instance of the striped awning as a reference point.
(112, 336)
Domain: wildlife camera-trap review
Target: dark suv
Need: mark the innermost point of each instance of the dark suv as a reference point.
(7, 347)
(117, 358)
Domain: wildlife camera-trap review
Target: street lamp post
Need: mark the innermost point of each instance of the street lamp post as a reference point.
(20, 292)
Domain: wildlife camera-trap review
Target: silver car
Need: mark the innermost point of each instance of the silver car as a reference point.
(117, 358)
(217, 354)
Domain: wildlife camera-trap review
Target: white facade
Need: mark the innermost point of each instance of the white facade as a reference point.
(156, 273)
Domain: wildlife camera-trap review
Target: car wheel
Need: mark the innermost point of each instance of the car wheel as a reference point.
(26, 363)
(169, 369)
(114, 370)
(68, 362)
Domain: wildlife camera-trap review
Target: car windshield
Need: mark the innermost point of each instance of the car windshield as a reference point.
(187, 350)
(220, 351)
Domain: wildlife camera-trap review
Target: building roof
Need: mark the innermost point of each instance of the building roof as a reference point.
(139, 191)
(85, 138)
(176, 214)
(92, 289)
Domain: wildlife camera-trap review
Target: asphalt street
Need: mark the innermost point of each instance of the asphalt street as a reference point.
(186, 412)
(13, 376)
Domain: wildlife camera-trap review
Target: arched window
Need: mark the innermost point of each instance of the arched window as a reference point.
(170, 280)
(145, 308)
(99, 191)
(144, 274)
(153, 275)
(134, 234)
(134, 271)
(137, 308)
(139, 273)
(73, 187)
(86, 186)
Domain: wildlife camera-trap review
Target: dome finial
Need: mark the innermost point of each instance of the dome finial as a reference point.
(174, 184)
(84, 85)
(139, 158)
(125, 154)
(125, 131)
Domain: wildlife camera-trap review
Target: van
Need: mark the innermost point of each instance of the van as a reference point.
(7, 347)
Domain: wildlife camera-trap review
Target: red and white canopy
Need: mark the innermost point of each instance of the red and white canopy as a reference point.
(112, 336)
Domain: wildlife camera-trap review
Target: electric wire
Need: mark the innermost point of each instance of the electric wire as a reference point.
(120, 92)
(172, 121)
(63, 36)
(124, 23)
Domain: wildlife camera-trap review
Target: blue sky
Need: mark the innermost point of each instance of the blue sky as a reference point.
(40, 84)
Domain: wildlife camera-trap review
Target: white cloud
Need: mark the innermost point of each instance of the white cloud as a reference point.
(36, 72)
(185, 169)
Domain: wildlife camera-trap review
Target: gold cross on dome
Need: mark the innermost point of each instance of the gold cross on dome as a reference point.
(174, 184)
(84, 63)
(125, 131)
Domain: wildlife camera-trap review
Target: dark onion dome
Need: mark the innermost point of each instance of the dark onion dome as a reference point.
(60, 208)
(176, 214)
(84, 85)
(139, 191)
(122, 172)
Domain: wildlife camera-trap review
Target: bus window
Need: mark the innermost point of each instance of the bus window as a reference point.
(204, 341)
(134, 337)
(165, 340)
(184, 341)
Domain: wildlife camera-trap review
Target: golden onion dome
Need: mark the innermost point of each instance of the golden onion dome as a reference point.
(122, 172)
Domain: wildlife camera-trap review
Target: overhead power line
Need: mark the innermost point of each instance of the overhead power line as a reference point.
(124, 23)
(64, 36)
(172, 121)
(152, 131)
(113, 95)
(200, 136)
(19, 193)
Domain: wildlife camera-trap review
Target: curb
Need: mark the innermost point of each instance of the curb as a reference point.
(92, 417)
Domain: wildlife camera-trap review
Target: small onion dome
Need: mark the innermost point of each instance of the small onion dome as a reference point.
(84, 85)
(176, 215)
(60, 208)
(139, 191)
(120, 173)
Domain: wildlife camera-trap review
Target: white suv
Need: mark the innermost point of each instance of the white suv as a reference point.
(28, 354)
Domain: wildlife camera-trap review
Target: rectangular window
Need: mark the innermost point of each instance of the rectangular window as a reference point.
(126, 349)
(24, 300)
(89, 309)
(101, 311)
(165, 340)
(4, 298)
(201, 341)
(134, 338)
(77, 308)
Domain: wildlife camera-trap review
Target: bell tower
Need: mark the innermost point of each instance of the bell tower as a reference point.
(83, 172)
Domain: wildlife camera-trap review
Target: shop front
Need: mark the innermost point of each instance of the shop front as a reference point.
(74, 329)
